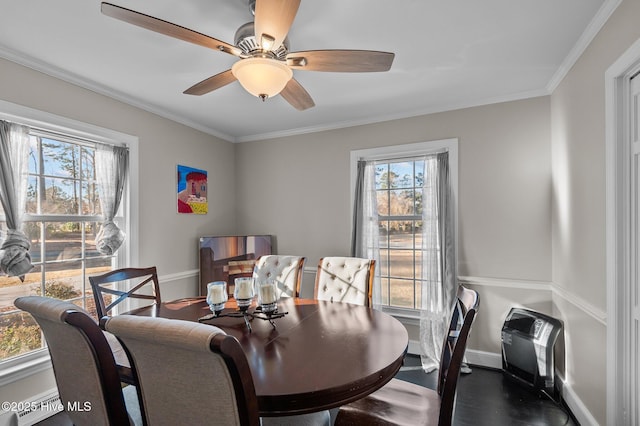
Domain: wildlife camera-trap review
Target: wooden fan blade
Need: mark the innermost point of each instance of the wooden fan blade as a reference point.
(341, 60)
(273, 19)
(167, 28)
(211, 83)
(297, 96)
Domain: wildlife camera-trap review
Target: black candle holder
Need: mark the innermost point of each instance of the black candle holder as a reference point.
(248, 316)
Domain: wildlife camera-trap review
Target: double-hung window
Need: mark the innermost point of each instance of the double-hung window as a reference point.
(397, 190)
(62, 218)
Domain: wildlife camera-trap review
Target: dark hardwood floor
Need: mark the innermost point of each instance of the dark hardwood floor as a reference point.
(485, 398)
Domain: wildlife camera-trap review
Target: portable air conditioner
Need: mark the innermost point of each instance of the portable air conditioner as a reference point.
(528, 339)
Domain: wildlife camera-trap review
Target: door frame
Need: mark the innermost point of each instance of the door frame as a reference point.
(619, 259)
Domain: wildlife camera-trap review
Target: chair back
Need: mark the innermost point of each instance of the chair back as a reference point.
(83, 363)
(188, 373)
(345, 279)
(453, 349)
(286, 271)
(107, 296)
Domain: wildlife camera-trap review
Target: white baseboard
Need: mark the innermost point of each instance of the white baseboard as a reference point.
(577, 407)
(38, 408)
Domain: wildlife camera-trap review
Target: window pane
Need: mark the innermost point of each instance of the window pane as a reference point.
(19, 334)
(90, 199)
(384, 263)
(63, 240)
(64, 280)
(60, 196)
(402, 202)
(402, 293)
(382, 176)
(401, 174)
(384, 282)
(419, 174)
(401, 263)
(401, 234)
(60, 159)
(383, 202)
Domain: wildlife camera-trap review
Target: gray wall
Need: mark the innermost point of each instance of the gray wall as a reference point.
(578, 220)
(298, 188)
(167, 239)
(531, 196)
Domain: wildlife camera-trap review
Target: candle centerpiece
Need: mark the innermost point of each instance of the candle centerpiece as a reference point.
(217, 296)
(243, 292)
(267, 296)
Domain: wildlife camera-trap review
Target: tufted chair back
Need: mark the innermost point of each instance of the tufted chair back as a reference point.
(286, 271)
(345, 279)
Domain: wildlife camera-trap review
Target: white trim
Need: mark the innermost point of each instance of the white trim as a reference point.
(617, 175)
(179, 275)
(555, 290)
(596, 24)
(579, 410)
(53, 71)
(21, 367)
(578, 302)
(484, 359)
(506, 282)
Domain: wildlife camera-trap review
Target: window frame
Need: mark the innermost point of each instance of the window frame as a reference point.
(405, 151)
(22, 366)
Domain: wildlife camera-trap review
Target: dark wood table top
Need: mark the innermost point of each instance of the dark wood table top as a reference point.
(319, 356)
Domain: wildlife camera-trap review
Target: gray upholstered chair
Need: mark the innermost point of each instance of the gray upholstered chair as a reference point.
(83, 363)
(188, 373)
(139, 277)
(286, 271)
(404, 403)
(345, 279)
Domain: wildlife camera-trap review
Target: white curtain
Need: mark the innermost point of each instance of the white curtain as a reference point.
(439, 287)
(365, 238)
(112, 167)
(15, 259)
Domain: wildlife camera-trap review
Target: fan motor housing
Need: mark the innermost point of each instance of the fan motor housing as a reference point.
(245, 39)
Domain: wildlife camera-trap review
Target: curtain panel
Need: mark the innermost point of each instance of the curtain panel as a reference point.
(15, 260)
(439, 280)
(112, 169)
(365, 237)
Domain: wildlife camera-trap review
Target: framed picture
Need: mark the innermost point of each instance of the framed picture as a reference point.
(192, 190)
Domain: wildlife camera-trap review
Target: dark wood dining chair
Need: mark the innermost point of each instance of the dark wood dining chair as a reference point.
(404, 403)
(345, 279)
(286, 271)
(188, 373)
(83, 364)
(104, 287)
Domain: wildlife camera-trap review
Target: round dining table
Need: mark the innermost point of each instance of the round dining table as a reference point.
(316, 355)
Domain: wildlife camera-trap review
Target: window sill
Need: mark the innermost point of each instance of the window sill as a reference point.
(24, 366)
(405, 316)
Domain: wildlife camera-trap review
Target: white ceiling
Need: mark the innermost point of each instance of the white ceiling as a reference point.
(449, 54)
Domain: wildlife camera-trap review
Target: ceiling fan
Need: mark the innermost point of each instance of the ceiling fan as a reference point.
(265, 65)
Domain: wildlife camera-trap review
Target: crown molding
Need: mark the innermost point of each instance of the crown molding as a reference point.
(596, 24)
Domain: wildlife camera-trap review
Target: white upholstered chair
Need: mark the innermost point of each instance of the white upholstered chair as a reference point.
(286, 271)
(345, 279)
(83, 363)
(188, 373)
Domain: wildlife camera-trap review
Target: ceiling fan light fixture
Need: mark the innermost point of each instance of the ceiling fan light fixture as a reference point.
(262, 77)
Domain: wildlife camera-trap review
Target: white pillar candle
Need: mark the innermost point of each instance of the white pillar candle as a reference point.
(244, 288)
(267, 293)
(216, 294)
